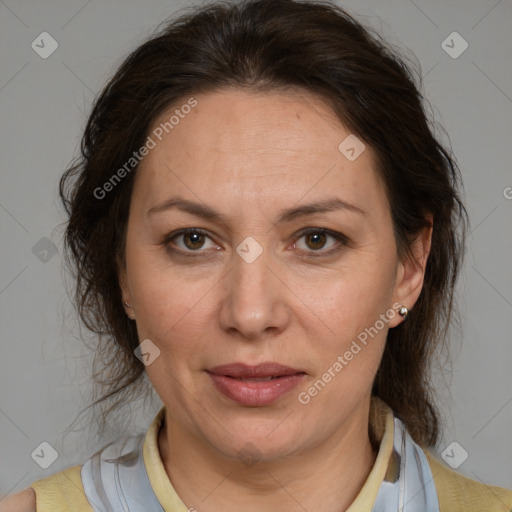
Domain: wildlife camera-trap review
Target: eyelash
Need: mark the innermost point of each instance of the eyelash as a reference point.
(339, 237)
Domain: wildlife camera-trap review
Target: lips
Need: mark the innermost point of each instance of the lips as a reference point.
(261, 371)
(255, 385)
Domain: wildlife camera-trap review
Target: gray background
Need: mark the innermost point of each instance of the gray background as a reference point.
(44, 379)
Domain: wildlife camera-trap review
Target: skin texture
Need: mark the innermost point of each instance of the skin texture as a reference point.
(249, 156)
(24, 501)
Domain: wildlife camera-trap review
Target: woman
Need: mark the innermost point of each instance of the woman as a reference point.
(263, 222)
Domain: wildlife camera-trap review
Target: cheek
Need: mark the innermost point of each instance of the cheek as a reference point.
(172, 305)
(354, 311)
(345, 363)
(171, 309)
(353, 300)
(171, 314)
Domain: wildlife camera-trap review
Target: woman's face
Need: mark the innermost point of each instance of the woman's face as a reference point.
(248, 174)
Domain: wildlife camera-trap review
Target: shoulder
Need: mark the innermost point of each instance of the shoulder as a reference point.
(24, 501)
(458, 493)
(61, 492)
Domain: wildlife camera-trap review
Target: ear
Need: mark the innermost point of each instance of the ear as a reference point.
(411, 272)
(125, 291)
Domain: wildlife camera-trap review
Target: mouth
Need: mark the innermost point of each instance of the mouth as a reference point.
(261, 379)
(255, 385)
(263, 371)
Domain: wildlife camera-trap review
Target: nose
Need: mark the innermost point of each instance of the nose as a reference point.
(254, 299)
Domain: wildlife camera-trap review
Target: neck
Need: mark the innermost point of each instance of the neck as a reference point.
(331, 473)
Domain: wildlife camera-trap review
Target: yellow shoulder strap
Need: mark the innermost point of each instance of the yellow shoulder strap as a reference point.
(61, 492)
(458, 493)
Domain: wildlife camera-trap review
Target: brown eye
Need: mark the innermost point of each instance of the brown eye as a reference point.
(315, 241)
(193, 240)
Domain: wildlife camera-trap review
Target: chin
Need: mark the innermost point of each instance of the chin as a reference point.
(252, 451)
(255, 442)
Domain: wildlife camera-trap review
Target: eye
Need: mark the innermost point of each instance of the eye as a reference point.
(188, 240)
(195, 240)
(316, 238)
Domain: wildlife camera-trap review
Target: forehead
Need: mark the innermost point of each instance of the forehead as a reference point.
(273, 146)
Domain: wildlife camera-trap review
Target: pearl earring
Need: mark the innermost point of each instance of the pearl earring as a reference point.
(403, 312)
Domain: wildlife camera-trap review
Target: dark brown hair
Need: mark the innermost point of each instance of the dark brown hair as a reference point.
(266, 45)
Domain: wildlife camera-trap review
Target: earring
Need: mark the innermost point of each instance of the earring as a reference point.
(403, 312)
(127, 305)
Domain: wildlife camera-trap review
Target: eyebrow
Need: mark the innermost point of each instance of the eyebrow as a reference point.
(288, 215)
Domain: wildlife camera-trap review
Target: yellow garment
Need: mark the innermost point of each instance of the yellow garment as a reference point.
(63, 492)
